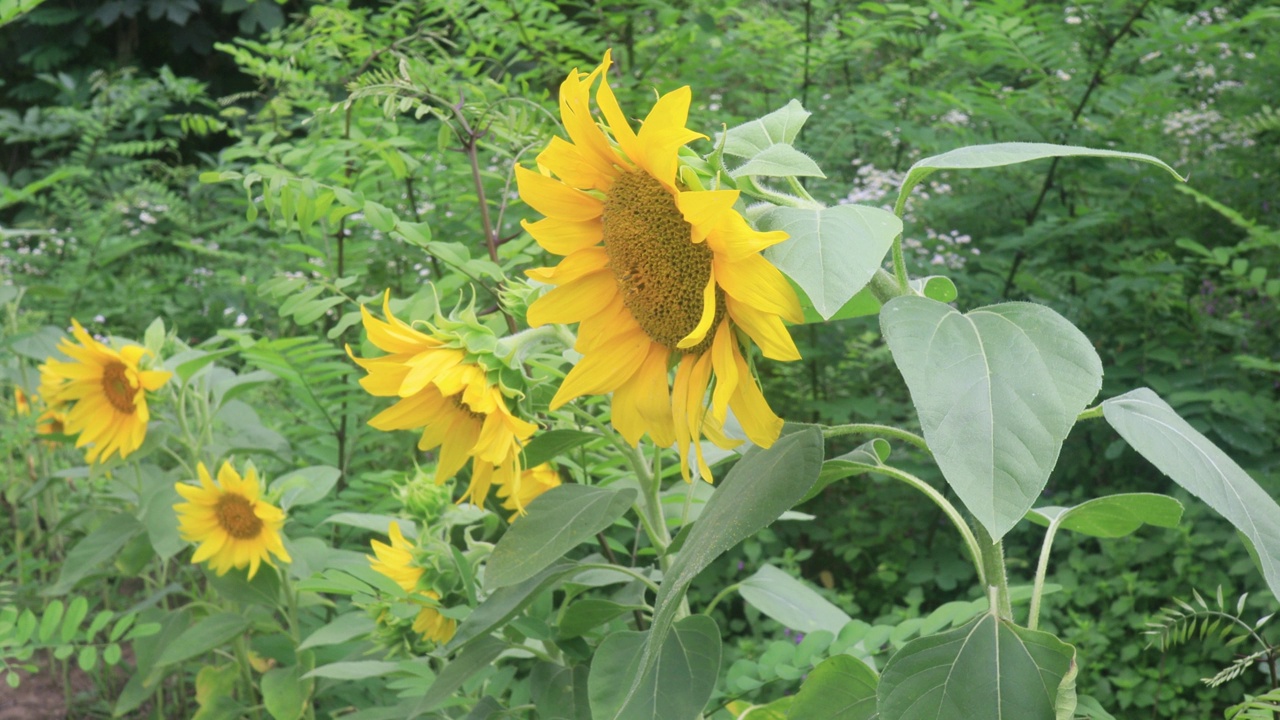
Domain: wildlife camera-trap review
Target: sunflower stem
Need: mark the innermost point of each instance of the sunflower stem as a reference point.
(967, 534)
(997, 580)
(872, 429)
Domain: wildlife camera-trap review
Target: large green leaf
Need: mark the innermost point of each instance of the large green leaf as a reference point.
(305, 486)
(840, 688)
(560, 693)
(832, 252)
(780, 160)
(559, 520)
(997, 390)
(504, 603)
(764, 484)
(792, 603)
(211, 632)
(94, 550)
(675, 687)
(1011, 153)
(1112, 516)
(1161, 436)
(778, 127)
(985, 669)
(476, 657)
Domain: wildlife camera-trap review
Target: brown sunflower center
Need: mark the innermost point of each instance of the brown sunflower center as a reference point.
(235, 515)
(116, 386)
(660, 270)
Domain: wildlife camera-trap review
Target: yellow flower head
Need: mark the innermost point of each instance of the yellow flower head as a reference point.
(234, 526)
(107, 391)
(449, 396)
(52, 421)
(656, 273)
(433, 625)
(530, 484)
(396, 560)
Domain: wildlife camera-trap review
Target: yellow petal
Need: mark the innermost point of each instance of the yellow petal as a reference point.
(605, 368)
(643, 403)
(750, 407)
(756, 282)
(555, 199)
(663, 133)
(705, 210)
(699, 332)
(579, 264)
(723, 350)
(563, 237)
(765, 329)
(585, 170)
(574, 301)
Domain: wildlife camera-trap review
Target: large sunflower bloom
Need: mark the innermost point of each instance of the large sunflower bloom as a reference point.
(108, 391)
(446, 395)
(235, 527)
(656, 273)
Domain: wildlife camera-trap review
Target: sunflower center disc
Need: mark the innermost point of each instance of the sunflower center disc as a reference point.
(115, 384)
(235, 515)
(660, 270)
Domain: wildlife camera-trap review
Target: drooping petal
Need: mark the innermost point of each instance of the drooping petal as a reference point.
(555, 199)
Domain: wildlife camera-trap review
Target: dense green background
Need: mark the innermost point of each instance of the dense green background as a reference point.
(110, 111)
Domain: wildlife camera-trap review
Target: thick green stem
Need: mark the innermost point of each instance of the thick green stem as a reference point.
(872, 429)
(971, 543)
(997, 581)
(1042, 569)
(885, 287)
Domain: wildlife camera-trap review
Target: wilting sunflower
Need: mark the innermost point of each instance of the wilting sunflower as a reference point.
(235, 527)
(107, 391)
(449, 397)
(657, 273)
(432, 624)
(530, 484)
(396, 560)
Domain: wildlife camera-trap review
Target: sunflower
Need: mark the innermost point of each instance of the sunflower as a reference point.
(107, 392)
(530, 484)
(449, 396)
(656, 272)
(396, 560)
(234, 526)
(21, 402)
(432, 624)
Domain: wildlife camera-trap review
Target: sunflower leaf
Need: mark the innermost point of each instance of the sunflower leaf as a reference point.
(832, 252)
(780, 126)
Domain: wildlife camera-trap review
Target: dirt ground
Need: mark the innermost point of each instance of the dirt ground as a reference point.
(40, 696)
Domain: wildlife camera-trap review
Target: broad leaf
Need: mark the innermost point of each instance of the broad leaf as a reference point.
(94, 550)
(985, 669)
(779, 160)
(1112, 516)
(862, 459)
(504, 603)
(211, 632)
(842, 687)
(780, 126)
(675, 687)
(560, 693)
(764, 484)
(551, 444)
(305, 486)
(792, 603)
(284, 692)
(559, 520)
(1161, 436)
(997, 390)
(1011, 153)
(832, 252)
(475, 658)
(591, 613)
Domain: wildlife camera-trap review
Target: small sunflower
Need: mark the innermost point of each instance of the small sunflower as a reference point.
(530, 484)
(656, 273)
(396, 560)
(432, 624)
(235, 527)
(449, 397)
(21, 402)
(107, 393)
